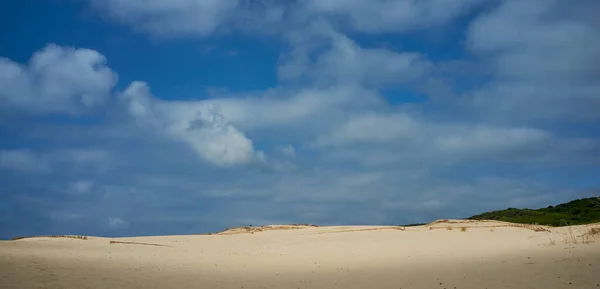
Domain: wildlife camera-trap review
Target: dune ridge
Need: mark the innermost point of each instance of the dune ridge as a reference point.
(442, 254)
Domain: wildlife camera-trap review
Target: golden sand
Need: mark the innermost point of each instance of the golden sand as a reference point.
(446, 254)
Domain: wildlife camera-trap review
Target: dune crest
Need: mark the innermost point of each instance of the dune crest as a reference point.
(442, 254)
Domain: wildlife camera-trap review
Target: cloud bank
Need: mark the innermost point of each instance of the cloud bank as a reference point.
(363, 126)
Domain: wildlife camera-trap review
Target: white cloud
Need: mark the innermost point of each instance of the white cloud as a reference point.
(214, 128)
(344, 62)
(168, 18)
(547, 70)
(377, 139)
(24, 161)
(289, 108)
(205, 17)
(370, 128)
(376, 16)
(450, 137)
(56, 80)
(476, 139)
(391, 162)
(198, 124)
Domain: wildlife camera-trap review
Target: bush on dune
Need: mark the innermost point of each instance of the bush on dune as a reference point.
(576, 212)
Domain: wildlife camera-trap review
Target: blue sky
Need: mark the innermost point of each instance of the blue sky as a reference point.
(131, 117)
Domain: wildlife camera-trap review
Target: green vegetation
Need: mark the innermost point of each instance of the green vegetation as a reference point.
(577, 212)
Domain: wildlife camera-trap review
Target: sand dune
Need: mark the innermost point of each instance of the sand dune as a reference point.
(445, 254)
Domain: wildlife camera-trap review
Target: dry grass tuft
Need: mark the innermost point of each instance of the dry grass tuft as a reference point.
(440, 221)
(449, 228)
(533, 227)
(53, 236)
(540, 229)
(592, 235)
(499, 224)
(463, 229)
(570, 237)
(550, 238)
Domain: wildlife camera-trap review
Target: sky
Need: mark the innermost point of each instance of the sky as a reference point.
(150, 117)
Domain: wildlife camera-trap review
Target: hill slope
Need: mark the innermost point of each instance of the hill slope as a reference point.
(576, 212)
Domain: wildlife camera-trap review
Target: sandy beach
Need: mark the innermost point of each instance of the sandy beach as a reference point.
(445, 254)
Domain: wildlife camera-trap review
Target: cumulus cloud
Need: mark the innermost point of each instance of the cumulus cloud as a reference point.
(391, 16)
(309, 106)
(56, 80)
(203, 18)
(450, 137)
(476, 139)
(342, 61)
(188, 17)
(370, 128)
(547, 70)
(199, 125)
(344, 145)
(398, 138)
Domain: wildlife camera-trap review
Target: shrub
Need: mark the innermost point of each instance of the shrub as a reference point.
(576, 212)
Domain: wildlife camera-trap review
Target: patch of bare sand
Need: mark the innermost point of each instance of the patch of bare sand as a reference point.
(484, 255)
